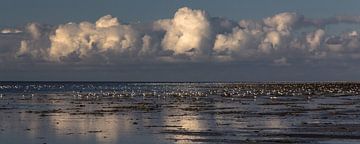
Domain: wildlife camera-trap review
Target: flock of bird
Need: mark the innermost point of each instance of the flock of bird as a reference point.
(120, 90)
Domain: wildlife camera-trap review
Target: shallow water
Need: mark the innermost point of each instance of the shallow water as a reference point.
(76, 112)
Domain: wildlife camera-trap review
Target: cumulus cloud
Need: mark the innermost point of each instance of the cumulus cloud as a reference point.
(187, 33)
(190, 35)
(86, 39)
(36, 38)
(238, 44)
(283, 22)
(314, 39)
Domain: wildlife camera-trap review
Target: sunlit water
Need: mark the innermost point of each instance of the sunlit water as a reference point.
(75, 112)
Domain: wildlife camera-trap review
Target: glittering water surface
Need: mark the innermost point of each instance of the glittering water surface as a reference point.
(97, 112)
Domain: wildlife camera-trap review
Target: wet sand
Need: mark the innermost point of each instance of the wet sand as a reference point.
(179, 113)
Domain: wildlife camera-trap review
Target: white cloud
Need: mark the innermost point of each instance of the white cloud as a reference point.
(187, 33)
(238, 44)
(283, 22)
(34, 30)
(191, 35)
(84, 39)
(10, 31)
(314, 39)
(107, 21)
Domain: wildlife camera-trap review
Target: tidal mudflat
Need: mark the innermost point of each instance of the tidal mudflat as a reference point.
(96, 112)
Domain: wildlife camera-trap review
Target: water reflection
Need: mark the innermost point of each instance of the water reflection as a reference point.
(105, 129)
(228, 117)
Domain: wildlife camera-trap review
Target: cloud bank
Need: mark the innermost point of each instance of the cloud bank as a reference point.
(190, 36)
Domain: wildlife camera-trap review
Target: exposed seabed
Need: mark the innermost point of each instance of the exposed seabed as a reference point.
(179, 113)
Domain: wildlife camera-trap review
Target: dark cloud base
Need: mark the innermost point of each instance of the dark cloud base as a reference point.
(191, 46)
(200, 72)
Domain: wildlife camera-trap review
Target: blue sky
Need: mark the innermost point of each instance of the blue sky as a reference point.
(180, 40)
(19, 12)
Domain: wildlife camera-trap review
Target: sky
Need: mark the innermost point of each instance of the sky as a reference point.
(179, 40)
